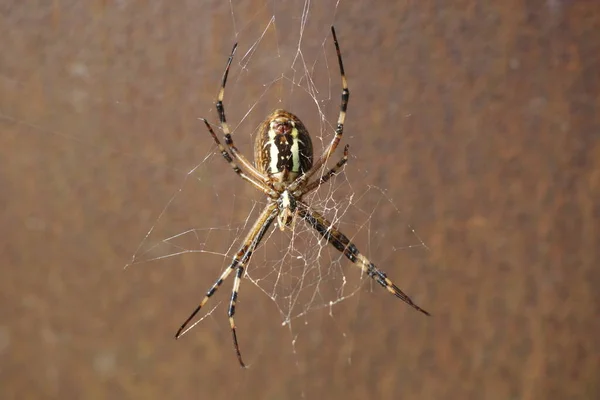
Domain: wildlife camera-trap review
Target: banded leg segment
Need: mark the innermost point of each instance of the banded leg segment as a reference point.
(231, 312)
(338, 240)
(239, 262)
(247, 165)
(339, 130)
(257, 184)
(316, 184)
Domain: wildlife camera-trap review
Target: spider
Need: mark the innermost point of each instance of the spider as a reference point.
(283, 167)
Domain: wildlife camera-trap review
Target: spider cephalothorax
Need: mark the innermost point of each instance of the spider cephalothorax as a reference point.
(283, 168)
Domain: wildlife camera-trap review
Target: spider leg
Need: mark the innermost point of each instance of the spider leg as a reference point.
(344, 245)
(225, 126)
(316, 184)
(243, 160)
(258, 184)
(231, 312)
(239, 262)
(339, 130)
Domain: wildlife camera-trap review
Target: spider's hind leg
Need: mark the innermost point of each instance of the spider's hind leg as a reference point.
(338, 240)
(239, 262)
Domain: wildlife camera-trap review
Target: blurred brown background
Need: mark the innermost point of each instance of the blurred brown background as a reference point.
(480, 120)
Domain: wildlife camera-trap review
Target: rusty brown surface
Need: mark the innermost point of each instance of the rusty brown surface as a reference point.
(480, 120)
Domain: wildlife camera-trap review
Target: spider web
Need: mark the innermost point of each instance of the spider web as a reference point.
(285, 59)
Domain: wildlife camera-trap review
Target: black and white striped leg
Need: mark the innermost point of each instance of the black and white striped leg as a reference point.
(239, 262)
(315, 185)
(339, 130)
(344, 245)
(219, 105)
(258, 184)
(247, 165)
(231, 312)
(225, 126)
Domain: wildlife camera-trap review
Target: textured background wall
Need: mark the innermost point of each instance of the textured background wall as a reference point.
(480, 120)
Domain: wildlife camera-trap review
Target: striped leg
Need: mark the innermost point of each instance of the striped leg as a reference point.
(239, 262)
(344, 245)
(225, 126)
(339, 130)
(258, 184)
(231, 312)
(315, 185)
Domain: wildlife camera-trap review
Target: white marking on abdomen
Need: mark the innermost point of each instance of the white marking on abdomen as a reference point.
(273, 151)
(295, 151)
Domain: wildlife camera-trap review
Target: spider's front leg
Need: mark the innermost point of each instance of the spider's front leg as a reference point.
(339, 130)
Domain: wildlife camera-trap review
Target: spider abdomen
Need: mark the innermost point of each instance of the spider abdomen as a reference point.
(283, 148)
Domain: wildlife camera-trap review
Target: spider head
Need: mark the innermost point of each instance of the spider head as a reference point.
(287, 209)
